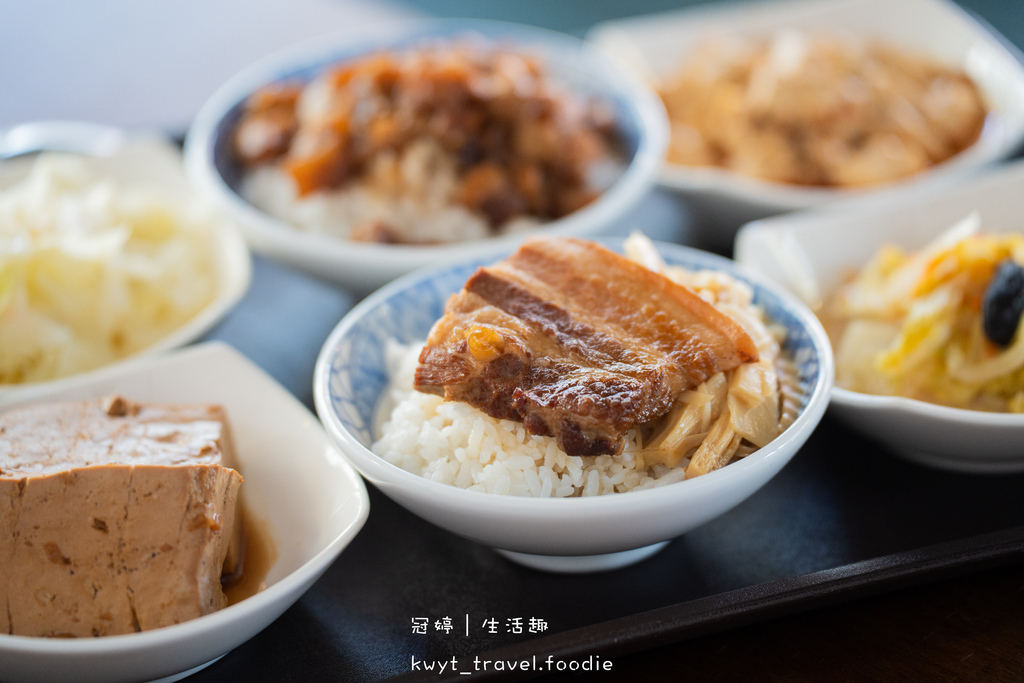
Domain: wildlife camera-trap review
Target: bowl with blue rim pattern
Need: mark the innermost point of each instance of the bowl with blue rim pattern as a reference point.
(640, 123)
(579, 534)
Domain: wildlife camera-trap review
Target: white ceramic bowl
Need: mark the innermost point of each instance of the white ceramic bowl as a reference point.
(155, 164)
(313, 489)
(577, 534)
(810, 253)
(655, 45)
(362, 266)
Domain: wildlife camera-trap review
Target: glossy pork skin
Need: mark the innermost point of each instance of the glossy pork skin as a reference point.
(576, 342)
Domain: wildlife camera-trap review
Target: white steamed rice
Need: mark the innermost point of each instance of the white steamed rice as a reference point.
(414, 194)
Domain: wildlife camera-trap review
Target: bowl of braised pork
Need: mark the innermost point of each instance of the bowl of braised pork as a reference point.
(793, 104)
(574, 404)
(361, 158)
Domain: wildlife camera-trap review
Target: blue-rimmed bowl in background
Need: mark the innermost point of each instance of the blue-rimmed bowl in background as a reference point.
(640, 122)
(562, 534)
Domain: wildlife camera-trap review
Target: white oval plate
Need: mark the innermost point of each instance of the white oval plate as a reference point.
(156, 164)
(297, 485)
(655, 45)
(810, 252)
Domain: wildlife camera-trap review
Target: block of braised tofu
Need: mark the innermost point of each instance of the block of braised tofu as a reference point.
(115, 516)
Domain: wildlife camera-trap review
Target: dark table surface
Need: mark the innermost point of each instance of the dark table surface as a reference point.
(850, 565)
(843, 522)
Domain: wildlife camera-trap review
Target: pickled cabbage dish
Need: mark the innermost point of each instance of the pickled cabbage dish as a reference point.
(91, 271)
(940, 325)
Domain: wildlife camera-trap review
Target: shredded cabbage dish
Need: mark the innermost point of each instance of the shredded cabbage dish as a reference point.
(91, 272)
(940, 325)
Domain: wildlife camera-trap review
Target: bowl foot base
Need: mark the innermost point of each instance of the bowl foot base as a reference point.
(185, 674)
(582, 564)
(962, 462)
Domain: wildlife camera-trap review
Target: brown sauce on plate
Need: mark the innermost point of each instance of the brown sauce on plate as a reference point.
(258, 555)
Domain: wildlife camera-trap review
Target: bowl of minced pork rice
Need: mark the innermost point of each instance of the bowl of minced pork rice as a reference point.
(362, 158)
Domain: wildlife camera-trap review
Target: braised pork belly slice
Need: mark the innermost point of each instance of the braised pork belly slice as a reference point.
(576, 342)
